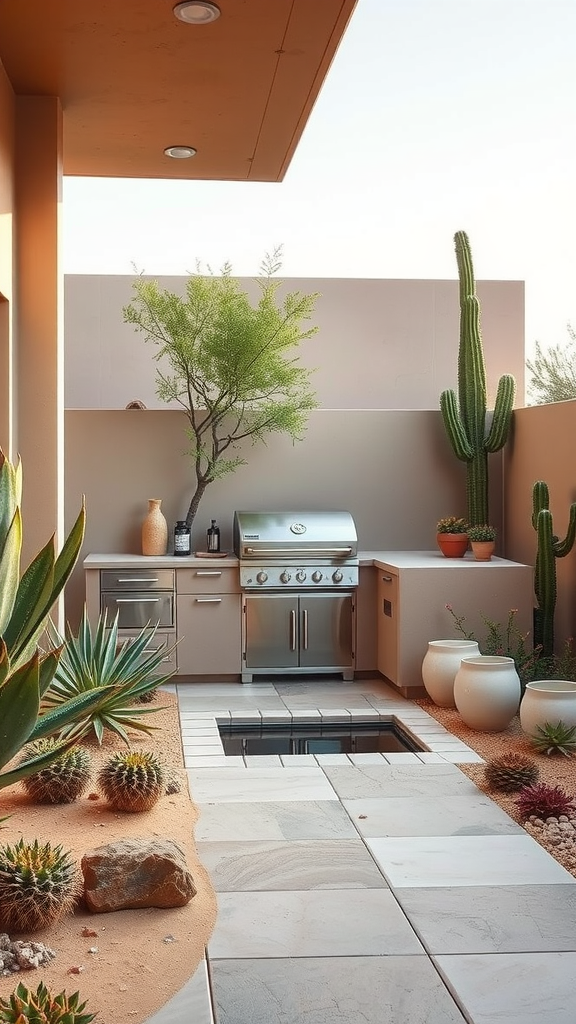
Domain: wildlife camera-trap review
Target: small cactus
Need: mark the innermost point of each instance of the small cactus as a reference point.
(41, 1007)
(38, 884)
(555, 739)
(544, 801)
(132, 781)
(62, 781)
(510, 772)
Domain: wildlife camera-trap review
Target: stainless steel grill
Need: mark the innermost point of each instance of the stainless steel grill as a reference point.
(298, 574)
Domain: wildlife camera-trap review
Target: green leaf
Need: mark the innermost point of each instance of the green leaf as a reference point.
(19, 705)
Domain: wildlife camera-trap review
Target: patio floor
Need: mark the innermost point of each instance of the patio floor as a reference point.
(373, 888)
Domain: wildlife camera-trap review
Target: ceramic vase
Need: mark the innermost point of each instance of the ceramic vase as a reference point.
(483, 549)
(452, 545)
(548, 700)
(154, 530)
(440, 665)
(487, 692)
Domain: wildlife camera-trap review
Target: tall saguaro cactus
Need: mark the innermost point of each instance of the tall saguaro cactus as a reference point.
(550, 547)
(465, 417)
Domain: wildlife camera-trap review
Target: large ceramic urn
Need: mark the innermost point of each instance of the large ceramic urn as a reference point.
(548, 701)
(440, 665)
(487, 692)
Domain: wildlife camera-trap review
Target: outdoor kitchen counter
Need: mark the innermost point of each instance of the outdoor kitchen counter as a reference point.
(123, 561)
(427, 560)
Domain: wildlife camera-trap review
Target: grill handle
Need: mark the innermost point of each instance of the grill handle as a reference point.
(326, 552)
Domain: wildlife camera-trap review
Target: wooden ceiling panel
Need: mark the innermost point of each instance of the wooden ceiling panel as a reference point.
(133, 80)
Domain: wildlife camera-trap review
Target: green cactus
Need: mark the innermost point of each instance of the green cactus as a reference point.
(41, 1007)
(464, 417)
(132, 781)
(62, 781)
(38, 884)
(549, 548)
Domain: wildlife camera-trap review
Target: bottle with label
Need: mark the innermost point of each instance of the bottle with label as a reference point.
(213, 537)
(181, 538)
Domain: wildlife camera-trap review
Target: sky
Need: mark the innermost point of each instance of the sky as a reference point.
(436, 116)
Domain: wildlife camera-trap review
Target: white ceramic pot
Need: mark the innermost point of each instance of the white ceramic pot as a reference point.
(487, 692)
(440, 665)
(548, 700)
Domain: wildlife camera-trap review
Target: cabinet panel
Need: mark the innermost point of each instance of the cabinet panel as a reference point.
(208, 629)
(388, 625)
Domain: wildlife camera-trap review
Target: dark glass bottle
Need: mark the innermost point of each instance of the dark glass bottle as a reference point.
(181, 538)
(213, 537)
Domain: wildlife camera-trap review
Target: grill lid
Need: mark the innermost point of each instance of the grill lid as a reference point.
(286, 535)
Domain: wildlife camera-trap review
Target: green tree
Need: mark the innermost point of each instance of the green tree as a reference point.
(232, 364)
(553, 372)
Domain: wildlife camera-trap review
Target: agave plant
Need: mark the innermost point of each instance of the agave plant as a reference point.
(100, 663)
(42, 1007)
(25, 603)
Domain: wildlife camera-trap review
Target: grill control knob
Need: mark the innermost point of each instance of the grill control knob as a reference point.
(261, 577)
(300, 576)
(337, 576)
(285, 576)
(316, 577)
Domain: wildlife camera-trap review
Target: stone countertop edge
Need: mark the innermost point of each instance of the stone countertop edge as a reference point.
(379, 559)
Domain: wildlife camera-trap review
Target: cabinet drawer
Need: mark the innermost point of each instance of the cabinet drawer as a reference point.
(208, 580)
(136, 609)
(209, 637)
(137, 579)
(157, 641)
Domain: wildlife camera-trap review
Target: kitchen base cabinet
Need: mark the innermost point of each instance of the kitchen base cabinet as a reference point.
(208, 622)
(414, 588)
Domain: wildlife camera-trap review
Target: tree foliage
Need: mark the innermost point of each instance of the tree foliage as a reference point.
(231, 364)
(553, 372)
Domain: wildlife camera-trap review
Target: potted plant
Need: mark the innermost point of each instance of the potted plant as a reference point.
(452, 536)
(483, 541)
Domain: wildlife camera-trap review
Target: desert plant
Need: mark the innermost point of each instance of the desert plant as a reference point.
(482, 532)
(38, 884)
(465, 417)
(544, 801)
(41, 1007)
(549, 548)
(510, 772)
(553, 371)
(555, 738)
(62, 781)
(25, 604)
(504, 640)
(99, 662)
(233, 364)
(451, 524)
(132, 781)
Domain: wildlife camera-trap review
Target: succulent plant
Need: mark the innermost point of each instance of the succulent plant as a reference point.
(132, 780)
(482, 532)
(41, 1007)
(544, 801)
(38, 884)
(465, 419)
(510, 772)
(555, 739)
(64, 779)
(451, 524)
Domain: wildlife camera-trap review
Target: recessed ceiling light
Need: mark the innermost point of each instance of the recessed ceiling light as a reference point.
(180, 152)
(196, 12)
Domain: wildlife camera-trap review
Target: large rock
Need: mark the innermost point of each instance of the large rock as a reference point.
(135, 873)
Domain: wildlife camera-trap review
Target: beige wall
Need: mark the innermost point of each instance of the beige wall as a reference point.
(380, 345)
(542, 448)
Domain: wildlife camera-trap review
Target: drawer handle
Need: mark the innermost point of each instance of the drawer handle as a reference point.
(141, 579)
(387, 579)
(209, 572)
(208, 600)
(137, 600)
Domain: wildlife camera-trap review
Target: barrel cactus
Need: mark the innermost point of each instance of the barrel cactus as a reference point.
(510, 772)
(38, 884)
(549, 548)
(132, 780)
(62, 781)
(41, 1007)
(465, 417)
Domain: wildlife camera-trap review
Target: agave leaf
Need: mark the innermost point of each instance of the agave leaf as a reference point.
(48, 666)
(10, 568)
(34, 764)
(53, 721)
(19, 706)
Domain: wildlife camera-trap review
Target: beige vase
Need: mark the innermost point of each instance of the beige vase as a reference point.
(154, 530)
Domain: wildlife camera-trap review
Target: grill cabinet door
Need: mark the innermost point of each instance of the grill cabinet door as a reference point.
(271, 631)
(326, 630)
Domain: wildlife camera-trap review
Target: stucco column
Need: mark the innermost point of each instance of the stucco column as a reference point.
(39, 327)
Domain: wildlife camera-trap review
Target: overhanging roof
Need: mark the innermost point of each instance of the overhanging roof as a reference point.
(133, 80)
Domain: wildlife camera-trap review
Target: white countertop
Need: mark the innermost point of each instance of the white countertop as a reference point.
(112, 561)
(380, 559)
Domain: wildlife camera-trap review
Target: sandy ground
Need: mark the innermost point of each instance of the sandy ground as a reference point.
(144, 956)
(555, 770)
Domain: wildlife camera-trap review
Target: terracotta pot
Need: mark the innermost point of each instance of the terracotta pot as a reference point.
(440, 665)
(548, 700)
(452, 545)
(483, 549)
(487, 692)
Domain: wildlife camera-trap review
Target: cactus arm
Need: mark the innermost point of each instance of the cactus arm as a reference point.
(540, 500)
(501, 419)
(563, 547)
(454, 427)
